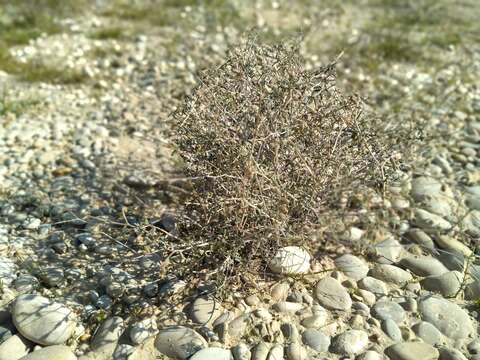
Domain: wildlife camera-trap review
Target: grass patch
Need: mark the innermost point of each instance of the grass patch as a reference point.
(115, 32)
(33, 71)
(16, 107)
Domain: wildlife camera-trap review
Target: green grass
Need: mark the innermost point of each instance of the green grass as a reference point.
(114, 32)
(32, 71)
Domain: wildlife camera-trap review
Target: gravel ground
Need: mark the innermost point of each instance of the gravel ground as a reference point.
(88, 181)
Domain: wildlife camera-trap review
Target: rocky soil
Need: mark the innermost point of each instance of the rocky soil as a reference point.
(86, 181)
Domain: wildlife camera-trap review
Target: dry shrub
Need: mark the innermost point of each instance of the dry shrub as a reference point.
(270, 146)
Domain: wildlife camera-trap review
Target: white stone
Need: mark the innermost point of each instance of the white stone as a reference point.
(212, 353)
(291, 260)
(43, 321)
(179, 342)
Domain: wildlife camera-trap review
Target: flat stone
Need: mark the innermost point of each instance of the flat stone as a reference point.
(390, 273)
(352, 266)
(295, 351)
(447, 317)
(142, 330)
(425, 186)
(385, 309)
(277, 352)
(242, 352)
(351, 342)
(412, 351)
(205, 310)
(391, 328)
(450, 354)
(14, 347)
(54, 352)
(43, 321)
(452, 245)
(430, 222)
(375, 286)
(447, 284)
(423, 265)
(331, 294)
(260, 351)
(290, 260)
(317, 340)
(428, 333)
(388, 251)
(179, 342)
(213, 353)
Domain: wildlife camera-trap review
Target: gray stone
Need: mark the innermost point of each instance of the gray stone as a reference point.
(279, 291)
(385, 309)
(15, 347)
(295, 351)
(391, 328)
(352, 266)
(332, 295)
(452, 245)
(447, 284)
(276, 353)
(370, 355)
(412, 351)
(179, 342)
(260, 351)
(290, 332)
(287, 307)
(317, 340)
(25, 283)
(213, 353)
(241, 352)
(351, 342)
(375, 286)
(421, 238)
(471, 223)
(428, 333)
(8, 271)
(440, 205)
(54, 352)
(430, 222)
(290, 260)
(43, 321)
(123, 351)
(388, 251)
(447, 317)
(52, 276)
(106, 337)
(390, 273)
(425, 186)
(451, 354)
(315, 321)
(423, 265)
(205, 310)
(142, 330)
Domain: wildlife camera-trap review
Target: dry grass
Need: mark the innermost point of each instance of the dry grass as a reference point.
(271, 148)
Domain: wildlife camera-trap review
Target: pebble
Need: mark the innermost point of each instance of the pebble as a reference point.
(425, 186)
(43, 321)
(423, 265)
(241, 352)
(391, 328)
(390, 273)
(447, 284)
(385, 309)
(142, 330)
(123, 351)
(374, 286)
(179, 342)
(317, 340)
(421, 238)
(8, 271)
(260, 351)
(279, 291)
(428, 333)
(290, 260)
(315, 321)
(430, 222)
(351, 342)
(370, 355)
(451, 244)
(446, 316)
(55, 352)
(412, 351)
(388, 251)
(331, 294)
(212, 353)
(107, 336)
(295, 351)
(276, 353)
(14, 347)
(287, 307)
(352, 266)
(205, 310)
(451, 354)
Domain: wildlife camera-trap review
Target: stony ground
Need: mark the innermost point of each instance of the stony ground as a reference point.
(87, 183)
